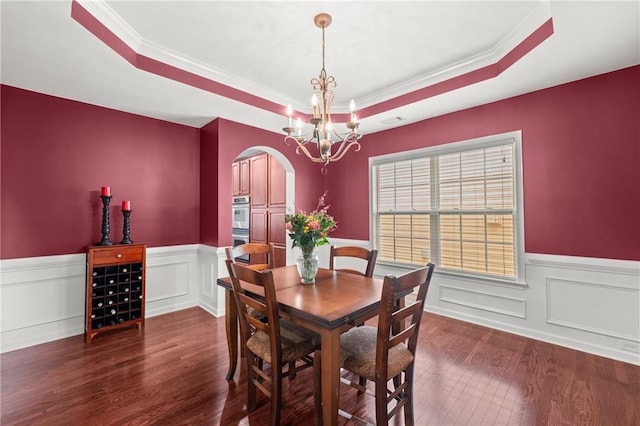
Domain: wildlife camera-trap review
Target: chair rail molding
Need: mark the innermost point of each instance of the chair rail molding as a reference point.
(42, 298)
(592, 305)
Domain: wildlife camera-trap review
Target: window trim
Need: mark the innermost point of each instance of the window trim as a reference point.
(514, 137)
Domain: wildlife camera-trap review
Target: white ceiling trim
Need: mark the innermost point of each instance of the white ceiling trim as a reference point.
(102, 12)
(533, 21)
(121, 29)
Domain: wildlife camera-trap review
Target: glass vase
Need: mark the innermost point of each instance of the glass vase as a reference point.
(308, 265)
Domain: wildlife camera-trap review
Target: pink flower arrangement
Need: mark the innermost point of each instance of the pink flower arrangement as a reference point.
(310, 230)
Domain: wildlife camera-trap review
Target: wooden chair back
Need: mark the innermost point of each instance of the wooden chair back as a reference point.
(258, 315)
(398, 325)
(369, 256)
(241, 276)
(260, 254)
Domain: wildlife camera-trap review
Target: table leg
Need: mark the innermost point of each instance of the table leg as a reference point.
(330, 355)
(231, 323)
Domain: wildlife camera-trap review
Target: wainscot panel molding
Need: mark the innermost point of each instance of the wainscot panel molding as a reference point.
(592, 305)
(172, 278)
(212, 267)
(588, 304)
(491, 302)
(42, 298)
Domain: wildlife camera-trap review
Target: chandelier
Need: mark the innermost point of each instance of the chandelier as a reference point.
(331, 144)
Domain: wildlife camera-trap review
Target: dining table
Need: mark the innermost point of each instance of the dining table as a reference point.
(329, 307)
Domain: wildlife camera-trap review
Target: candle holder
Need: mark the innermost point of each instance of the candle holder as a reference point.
(126, 229)
(106, 199)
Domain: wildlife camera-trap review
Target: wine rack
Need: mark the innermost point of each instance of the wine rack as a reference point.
(115, 288)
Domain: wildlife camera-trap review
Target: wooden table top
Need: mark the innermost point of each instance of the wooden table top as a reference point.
(336, 298)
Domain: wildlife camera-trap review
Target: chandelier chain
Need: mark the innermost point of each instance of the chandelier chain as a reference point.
(323, 47)
(330, 143)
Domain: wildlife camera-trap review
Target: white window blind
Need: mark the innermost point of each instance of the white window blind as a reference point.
(453, 206)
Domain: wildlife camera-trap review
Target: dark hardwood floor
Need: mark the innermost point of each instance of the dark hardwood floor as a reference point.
(173, 373)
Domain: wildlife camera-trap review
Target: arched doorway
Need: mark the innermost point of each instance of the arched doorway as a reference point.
(267, 219)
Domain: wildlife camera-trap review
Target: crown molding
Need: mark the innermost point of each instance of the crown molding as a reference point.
(143, 47)
(529, 24)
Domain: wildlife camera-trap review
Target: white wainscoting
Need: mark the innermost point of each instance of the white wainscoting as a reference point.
(212, 267)
(592, 305)
(588, 304)
(43, 298)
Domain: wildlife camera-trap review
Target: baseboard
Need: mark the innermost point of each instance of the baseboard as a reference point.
(55, 289)
(583, 346)
(591, 305)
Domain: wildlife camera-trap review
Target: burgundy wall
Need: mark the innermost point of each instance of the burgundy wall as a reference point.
(581, 146)
(581, 155)
(209, 184)
(56, 154)
(222, 141)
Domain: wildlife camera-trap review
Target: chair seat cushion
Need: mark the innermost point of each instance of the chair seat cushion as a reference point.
(359, 353)
(295, 342)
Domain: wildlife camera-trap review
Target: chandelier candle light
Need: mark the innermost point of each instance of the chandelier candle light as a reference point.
(323, 134)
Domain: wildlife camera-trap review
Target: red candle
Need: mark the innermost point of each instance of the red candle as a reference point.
(126, 205)
(106, 191)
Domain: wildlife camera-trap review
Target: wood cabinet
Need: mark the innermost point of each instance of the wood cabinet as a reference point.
(260, 183)
(278, 236)
(258, 233)
(241, 177)
(277, 186)
(115, 288)
(268, 203)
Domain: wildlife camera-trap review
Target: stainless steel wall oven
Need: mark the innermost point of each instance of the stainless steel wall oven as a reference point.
(241, 216)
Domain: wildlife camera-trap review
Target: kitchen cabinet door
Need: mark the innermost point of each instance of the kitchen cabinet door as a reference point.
(259, 181)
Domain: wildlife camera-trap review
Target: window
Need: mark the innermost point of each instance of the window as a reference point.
(455, 205)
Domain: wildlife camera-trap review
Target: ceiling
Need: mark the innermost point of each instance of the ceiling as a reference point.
(190, 62)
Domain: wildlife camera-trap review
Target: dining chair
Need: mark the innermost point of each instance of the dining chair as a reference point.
(274, 342)
(387, 352)
(265, 251)
(355, 252)
(261, 251)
